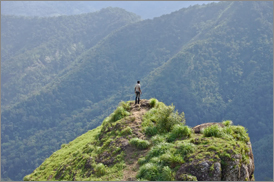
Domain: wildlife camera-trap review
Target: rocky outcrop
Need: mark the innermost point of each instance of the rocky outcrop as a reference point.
(198, 128)
(202, 171)
(234, 168)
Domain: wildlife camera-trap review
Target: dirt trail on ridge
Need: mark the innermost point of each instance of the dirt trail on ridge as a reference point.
(132, 154)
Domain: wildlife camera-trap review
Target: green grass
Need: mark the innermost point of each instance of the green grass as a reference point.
(125, 105)
(179, 130)
(161, 118)
(184, 148)
(149, 171)
(139, 143)
(67, 154)
(151, 130)
(126, 131)
(167, 174)
(158, 139)
(153, 102)
(100, 169)
(227, 122)
(212, 131)
(118, 114)
(229, 132)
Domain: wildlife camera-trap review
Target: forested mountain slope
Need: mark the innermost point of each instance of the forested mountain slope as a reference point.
(231, 71)
(35, 50)
(145, 9)
(199, 58)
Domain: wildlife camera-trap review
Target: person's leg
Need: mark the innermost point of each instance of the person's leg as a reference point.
(137, 93)
(138, 97)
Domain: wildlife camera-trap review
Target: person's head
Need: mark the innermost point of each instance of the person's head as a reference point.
(138, 82)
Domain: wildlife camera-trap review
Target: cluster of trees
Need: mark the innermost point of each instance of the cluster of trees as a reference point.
(204, 59)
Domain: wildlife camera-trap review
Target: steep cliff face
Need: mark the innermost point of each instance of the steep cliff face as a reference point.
(150, 141)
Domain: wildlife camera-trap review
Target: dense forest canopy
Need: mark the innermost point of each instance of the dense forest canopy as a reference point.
(214, 62)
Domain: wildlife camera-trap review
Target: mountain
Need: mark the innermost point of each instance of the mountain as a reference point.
(214, 62)
(150, 141)
(146, 9)
(35, 50)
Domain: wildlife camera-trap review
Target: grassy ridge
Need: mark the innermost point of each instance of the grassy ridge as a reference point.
(105, 153)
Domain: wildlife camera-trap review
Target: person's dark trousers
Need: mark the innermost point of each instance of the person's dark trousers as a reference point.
(137, 97)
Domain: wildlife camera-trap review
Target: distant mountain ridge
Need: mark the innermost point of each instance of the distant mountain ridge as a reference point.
(145, 9)
(209, 80)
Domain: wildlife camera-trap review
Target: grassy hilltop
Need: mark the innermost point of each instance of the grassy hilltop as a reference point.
(150, 141)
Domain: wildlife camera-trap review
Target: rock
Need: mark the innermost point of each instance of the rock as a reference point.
(198, 128)
(237, 170)
(202, 170)
(124, 144)
(145, 103)
(251, 166)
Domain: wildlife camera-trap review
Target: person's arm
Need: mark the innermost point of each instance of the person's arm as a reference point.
(140, 91)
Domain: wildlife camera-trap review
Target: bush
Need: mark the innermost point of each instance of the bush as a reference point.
(126, 131)
(213, 130)
(171, 137)
(148, 171)
(227, 122)
(139, 143)
(167, 119)
(185, 148)
(240, 133)
(159, 150)
(171, 159)
(153, 102)
(149, 117)
(166, 174)
(163, 121)
(27, 178)
(142, 160)
(151, 130)
(155, 160)
(227, 130)
(162, 117)
(100, 169)
(118, 114)
(125, 105)
(157, 139)
(166, 159)
(179, 130)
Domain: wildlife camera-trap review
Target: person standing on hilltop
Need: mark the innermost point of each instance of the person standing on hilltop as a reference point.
(138, 92)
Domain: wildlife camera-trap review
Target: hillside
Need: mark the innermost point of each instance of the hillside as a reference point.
(145, 9)
(35, 50)
(206, 60)
(150, 141)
